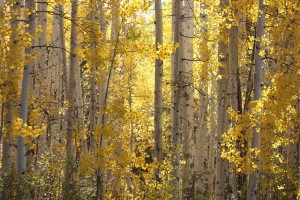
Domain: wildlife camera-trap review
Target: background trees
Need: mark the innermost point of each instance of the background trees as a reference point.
(86, 111)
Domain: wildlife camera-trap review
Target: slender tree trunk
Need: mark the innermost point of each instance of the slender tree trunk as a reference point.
(212, 137)
(42, 77)
(55, 64)
(201, 136)
(69, 186)
(222, 165)
(158, 87)
(101, 177)
(234, 87)
(176, 124)
(7, 154)
(252, 191)
(30, 5)
(7, 142)
(187, 100)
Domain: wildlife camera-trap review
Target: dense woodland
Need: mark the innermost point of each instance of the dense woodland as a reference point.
(144, 99)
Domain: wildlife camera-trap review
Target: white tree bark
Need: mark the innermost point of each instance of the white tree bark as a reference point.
(56, 65)
(71, 97)
(222, 165)
(187, 99)
(234, 88)
(41, 71)
(176, 122)
(252, 191)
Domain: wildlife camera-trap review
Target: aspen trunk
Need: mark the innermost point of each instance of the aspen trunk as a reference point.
(7, 153)
(234, 87)
(101, 174)
(252, 191)
(176, 124)
(158, 86)
(42, 77)
(188, 99)
(222, 165)
(69, 171)
(212, 137)
(201, 136)
(30, 5)
(56, 65)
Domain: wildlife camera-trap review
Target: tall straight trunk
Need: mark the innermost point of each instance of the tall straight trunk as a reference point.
(55, 64)
(65, 69)
(201, 136)
(222, 165)
(7, 143)
(102, 105)
(201, 145)
(104, 94)
(252, 191)
(176, 124)
(42, 77)
(187, 99)
(234, 89)
(212, 136)
(30, 5)
(158, 86)
(71, 97)
(20, 140)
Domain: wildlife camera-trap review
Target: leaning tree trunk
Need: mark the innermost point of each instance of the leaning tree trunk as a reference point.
(252, 191)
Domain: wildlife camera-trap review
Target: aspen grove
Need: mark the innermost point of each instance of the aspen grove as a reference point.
(150, 99)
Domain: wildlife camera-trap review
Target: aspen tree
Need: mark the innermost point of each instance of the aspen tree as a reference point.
(92, 113)
(12, 52)
(115, 25)
(187, 99)
(252, 191)
(56, 64)
(234, 76)
(176, 128)
(158, 85)
(222, 165)
(201, 135)
(69, 182)
(30, 5)
(102, 106)
(41, 71)
(7, 141)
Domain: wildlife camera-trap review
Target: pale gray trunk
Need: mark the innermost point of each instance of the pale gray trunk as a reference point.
(212, 137)
(176, 124)
(252, 191)
(56, 65)
(30, 5)
(222, 165)
(69, 171)
(7, 153)
(187, 99)
(234, 87)
(41, 70)
(65, 70)
(201, 136)
(158, 86)
(104, 94)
